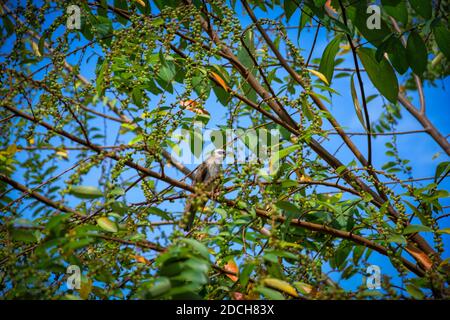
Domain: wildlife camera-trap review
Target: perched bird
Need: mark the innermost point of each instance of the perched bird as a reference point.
(204, 179)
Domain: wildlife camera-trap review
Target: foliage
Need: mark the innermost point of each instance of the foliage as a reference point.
(86, 176)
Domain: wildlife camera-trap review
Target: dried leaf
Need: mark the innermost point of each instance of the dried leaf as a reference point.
(220, 81)
(194, 106)
(231, 266)
(142, 259)
(329, 7)
(238, 296)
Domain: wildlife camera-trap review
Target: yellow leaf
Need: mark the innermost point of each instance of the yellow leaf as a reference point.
(220, 81)
(31, 140)
(305, 177)
(35, 48)
(62, 153)
(281, 286)
(12, 149)
(344, 49)
(85, 289)
(142, 3)
(319, 75)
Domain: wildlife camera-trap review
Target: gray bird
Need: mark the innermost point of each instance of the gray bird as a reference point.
(205, 179)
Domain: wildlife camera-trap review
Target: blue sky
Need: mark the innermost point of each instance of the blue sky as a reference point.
(418, 148)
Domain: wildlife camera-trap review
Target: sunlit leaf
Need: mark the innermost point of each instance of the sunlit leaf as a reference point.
(107, 224)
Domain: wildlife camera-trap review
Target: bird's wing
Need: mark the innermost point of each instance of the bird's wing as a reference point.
(201, 173)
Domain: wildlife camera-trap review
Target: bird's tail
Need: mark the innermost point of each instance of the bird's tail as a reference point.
(189, 216)
(193, 204)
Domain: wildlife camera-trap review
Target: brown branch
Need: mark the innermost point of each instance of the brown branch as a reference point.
(300, 81)
(323, 153)
(394, 133)
(98, 149)
(281, 112)
(38, 196)
(313, 44)
(361, 88)
(426, 123)
(340, 234)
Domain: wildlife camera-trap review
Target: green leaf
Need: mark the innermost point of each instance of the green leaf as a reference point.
(243, 55)
(123, 5)
(119, 207)
(415, 292)
(167, 73)
(161, 286)
(416, 53)
(422, 7)
(356, 102)
(396, 9)
(103, 27)
(417, 212)
(269, 293)
(158, 212)
(397, 55)
(107, 224)
(136, 95)
(9, 26)
(86, 192)
(442, 37)
(340, 256)
(397, 239)
(221, 94)
(327, 62)
(380, 73)
(41, 45)
(57, 221)
(289, 8)
(357, 254)
(21, 235)
(305, 16)
(445, 230)
(288, 207)
(197, 246)
(413, 228)
(357, 13)
(287, 151)
(244, 275)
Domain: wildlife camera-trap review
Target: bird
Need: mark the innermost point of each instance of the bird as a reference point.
(204, 179)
